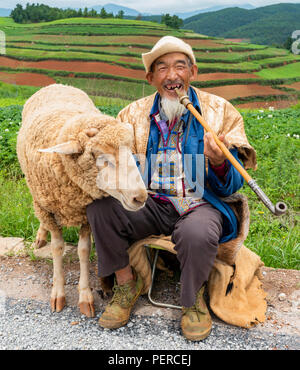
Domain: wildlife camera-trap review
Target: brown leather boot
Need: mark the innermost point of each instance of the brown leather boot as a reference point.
(117, 312)
(196, 321)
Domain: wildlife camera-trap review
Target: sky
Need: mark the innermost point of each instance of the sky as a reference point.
(153, 6)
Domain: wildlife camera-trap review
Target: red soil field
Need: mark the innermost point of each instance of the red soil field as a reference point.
(235, 91)
(29, 79)
(223, 76)
(151, 40)
(279, 104)
(295, 86)
(238, 40)
(129, 60)
(203, 43)
(74, 66)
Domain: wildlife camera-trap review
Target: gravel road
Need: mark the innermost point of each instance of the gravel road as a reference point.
(26, 321)
(29, 324)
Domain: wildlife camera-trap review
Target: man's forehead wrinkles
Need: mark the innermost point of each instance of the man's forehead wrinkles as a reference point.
(178, 61)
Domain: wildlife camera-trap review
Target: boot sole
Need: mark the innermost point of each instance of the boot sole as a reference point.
(196, 337)
(109, 325)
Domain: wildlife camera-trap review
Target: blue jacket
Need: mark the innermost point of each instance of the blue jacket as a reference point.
(193, 143)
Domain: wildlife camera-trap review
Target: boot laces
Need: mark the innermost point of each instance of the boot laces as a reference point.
(122, 295)
(195, 309)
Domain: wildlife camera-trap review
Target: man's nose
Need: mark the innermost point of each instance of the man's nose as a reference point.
(172, 74)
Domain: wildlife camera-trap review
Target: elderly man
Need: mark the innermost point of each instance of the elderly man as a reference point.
(190, 211)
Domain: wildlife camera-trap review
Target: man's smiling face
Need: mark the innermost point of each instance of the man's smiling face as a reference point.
(170, 71)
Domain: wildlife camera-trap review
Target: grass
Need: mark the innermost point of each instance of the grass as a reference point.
(287, 71)
(109, 88)
(275, 136)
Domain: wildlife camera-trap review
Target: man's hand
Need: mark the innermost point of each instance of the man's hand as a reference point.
(212, 151)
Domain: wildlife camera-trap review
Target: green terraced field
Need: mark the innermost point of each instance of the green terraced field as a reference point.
(120, 42)
(286, 71)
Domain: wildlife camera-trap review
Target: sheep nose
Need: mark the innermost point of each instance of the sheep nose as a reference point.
(140, 198)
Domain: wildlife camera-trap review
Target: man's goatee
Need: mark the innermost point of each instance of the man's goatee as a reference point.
(172, 108)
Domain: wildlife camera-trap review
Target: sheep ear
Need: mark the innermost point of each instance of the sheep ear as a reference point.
(69, 147)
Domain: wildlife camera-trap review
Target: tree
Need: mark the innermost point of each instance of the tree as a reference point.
(174, 21)
(17, 14)
(40, 13)
(103, 13)
(288, 43)
(120, 14)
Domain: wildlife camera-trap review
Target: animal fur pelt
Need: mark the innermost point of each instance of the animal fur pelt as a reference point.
(234, 286)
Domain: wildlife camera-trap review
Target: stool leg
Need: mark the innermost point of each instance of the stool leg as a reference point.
(151, 286)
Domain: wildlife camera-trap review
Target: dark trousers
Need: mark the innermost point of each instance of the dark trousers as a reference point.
(196, 237)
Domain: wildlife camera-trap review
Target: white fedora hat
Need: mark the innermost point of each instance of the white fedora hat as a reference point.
(167, 44)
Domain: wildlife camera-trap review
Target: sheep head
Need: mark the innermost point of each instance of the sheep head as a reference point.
(96, 152)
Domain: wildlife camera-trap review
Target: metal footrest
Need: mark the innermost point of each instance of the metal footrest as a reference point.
(160, 304)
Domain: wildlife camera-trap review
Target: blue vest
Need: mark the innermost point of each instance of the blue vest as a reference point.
(192, 143)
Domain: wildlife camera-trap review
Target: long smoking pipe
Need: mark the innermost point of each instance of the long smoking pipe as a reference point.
(280, 207)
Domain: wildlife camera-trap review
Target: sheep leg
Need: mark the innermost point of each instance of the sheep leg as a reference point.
(86, 299)
(58, 299)
(41, 237)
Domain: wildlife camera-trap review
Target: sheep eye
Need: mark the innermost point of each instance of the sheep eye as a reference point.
(104, 159)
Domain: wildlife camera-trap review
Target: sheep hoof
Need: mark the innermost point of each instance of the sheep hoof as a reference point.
(40, 243)
(57, 304)
(87, 309)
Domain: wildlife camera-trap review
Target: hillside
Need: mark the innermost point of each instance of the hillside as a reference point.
(103, 57)
(270, 25)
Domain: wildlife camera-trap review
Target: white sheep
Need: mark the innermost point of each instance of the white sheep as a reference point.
(70, 154)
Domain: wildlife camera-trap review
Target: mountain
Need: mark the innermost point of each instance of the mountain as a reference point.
(5, 12)
(270, 25)
(211, 9)
(114, 8)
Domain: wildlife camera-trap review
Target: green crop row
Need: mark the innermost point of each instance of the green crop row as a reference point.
(66, 48)
(104, 76)
(255, 65)
(109, 88)
(27, 54)
(70, 42)
(123, 51)
(246, 81)
(266, 98)
(286, 71)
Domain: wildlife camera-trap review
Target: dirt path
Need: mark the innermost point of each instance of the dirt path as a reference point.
(224, 76)
(29, 79)
(74, 66)
(21, 278)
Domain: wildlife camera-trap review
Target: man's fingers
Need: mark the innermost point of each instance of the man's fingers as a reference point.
(211, 142)
(209, 137)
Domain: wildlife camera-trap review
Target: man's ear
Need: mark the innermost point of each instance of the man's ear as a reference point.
(194, 72)
(149, 77)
